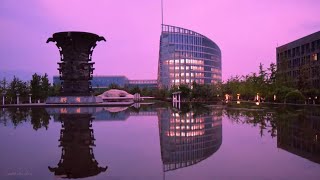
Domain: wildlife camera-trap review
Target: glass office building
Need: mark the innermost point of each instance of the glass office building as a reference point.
(121, 81)
(188, 138)
(186, 56)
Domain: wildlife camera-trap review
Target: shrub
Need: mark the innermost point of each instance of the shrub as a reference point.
(295, 97)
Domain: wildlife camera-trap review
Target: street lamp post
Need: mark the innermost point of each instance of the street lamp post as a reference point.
(3, 98)
(18, 98)
(309, 100)
(226, 97)
(30, 98)
(238, 98)
(258, 99)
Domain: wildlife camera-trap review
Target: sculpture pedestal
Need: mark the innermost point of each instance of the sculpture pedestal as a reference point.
(73, 100)
(76, 66)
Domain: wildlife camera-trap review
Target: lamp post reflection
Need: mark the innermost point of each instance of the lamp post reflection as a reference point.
(188, 138)
(76, 139)
(297, 132)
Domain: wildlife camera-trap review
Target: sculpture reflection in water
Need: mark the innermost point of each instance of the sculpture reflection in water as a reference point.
(186, 138)
(76, 139)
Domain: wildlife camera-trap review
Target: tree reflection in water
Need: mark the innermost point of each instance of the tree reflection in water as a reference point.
(297, 129)
(38, 117)
(187, 136)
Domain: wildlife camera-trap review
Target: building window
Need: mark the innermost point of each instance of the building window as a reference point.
(315, 57)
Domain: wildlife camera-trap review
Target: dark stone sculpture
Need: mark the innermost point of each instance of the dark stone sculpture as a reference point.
(76, 68)
(77, 139)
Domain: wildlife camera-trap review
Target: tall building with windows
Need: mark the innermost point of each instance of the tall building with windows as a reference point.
(186, 56)
(187, 138)
(299, 61)
(122, 81)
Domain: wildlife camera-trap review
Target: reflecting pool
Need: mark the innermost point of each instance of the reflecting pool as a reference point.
(160, 142)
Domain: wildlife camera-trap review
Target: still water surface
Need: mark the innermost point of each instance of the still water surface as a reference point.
(159, 142)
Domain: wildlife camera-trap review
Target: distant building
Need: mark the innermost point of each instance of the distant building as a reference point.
(298, 61)
(186, 56)
(121, 81)
(143, 83)
(106, 81)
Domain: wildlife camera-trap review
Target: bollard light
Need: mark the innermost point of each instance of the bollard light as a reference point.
(30, 98)
(18, 98)
(3, 98)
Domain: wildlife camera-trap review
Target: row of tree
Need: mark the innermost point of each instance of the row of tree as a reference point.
(38, 117)
(267, 83)
(38, 87)
(277, 117)
(271, 86)
(197, 92)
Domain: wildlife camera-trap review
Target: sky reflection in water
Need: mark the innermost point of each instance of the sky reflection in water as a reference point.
(158, 142)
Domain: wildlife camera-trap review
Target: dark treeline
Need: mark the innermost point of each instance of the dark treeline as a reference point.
(38, 87)
(196, 92)
(38, 117)
(272, 87)
(304, 121)
(296, 129)
(268, 83)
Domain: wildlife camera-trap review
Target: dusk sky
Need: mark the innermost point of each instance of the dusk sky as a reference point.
(247, 31)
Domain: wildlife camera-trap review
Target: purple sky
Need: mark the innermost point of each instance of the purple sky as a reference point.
(246, 31)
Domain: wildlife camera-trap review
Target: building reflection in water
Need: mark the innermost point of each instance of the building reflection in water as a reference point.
(188, 138)
(76, 139)
(300, 135)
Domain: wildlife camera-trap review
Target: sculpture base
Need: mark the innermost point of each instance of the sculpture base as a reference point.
(73, 100)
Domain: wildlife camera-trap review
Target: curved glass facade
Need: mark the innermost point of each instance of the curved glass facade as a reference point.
(188, 138)
(186, 56)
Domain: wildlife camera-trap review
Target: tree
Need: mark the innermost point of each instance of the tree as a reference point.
(17, 87)
(135, 89)
(114, 86)
(295, 97)
(45, 86)
(185, 91)
(35, 86)
(272, 73)
(3, 85)
(262, 73)
(54, 90)
(146, 91)
(161, 93)
(303, 76)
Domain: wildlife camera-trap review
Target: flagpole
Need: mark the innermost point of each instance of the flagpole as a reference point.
(161, 12)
